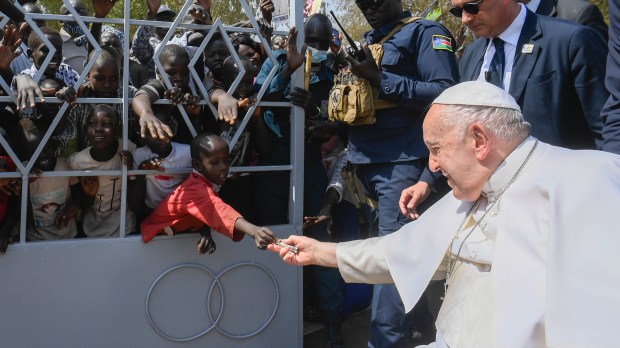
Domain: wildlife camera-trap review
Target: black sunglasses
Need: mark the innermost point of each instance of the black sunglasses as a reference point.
(366, 4)
(470, 7)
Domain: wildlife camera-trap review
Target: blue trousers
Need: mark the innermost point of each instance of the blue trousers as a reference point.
(390, 326)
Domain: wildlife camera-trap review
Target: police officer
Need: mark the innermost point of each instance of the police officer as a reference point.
(390, 155)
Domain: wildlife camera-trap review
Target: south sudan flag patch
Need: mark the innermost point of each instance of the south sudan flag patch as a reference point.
(441, 42)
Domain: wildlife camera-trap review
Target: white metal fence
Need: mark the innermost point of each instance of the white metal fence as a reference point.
(121, 292)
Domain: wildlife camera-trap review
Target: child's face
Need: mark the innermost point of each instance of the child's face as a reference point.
(40, 53)
(177, 70)
(214, 166)
(101, 129)
(215, 54)
(104, 79)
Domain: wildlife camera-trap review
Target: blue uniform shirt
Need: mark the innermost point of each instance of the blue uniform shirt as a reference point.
(416, 69)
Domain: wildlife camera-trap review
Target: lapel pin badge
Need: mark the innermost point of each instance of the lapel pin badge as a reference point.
(527, 48)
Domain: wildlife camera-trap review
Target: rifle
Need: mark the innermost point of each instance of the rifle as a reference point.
(353, 51)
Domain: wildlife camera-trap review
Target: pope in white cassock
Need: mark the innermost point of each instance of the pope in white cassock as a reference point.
(528, 241)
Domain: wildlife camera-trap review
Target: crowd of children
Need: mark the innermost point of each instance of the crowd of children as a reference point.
(177, 147)
(178, 134)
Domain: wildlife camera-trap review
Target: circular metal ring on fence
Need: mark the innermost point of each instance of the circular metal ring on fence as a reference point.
(275, 307)
(215, 321)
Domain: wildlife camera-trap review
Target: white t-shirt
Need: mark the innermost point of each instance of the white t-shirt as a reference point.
(102, 219)
(160, 186)
(48, 197)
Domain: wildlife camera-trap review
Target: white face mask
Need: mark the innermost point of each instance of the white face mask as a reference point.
(317, 56)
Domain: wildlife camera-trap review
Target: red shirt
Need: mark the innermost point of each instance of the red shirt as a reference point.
(189, 207)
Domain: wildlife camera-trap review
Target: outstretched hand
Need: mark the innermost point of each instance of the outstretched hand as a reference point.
(310, 221)
(27, 91)
(227, 107)
(158, 129)
(305, 250)
(263, 237)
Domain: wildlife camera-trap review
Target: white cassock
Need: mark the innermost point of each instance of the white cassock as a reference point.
(541, 269)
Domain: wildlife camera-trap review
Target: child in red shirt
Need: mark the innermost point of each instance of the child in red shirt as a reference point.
(195, 206)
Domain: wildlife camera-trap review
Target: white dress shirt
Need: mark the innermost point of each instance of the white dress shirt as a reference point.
(510, 36)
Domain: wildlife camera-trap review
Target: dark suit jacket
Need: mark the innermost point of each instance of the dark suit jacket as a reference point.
(611, 112)
(578, 11)
(559, 85)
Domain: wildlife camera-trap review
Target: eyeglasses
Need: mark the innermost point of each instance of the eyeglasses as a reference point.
(368, 4)
(470, 7)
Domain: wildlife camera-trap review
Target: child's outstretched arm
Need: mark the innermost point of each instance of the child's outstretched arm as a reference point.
(262, 235)
(142, 107)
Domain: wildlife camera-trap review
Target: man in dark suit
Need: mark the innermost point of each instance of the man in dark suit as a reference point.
(554, 69)
(578, 11)
(611, 111)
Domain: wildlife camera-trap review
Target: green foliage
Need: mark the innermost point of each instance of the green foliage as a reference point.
(229, 11)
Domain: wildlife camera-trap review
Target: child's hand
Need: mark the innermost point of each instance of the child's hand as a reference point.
(69, 94)
(175, 95)
(27, 90)
(206, 242)
(315, 220)
(192, 105)
(227, 107)
(127, 159)
(90, 185)
(200, 14)
(152, 164)
(263, 237)
(65, 215)
(157, 128)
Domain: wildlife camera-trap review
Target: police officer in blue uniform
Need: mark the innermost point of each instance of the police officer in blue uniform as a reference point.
(417, 65)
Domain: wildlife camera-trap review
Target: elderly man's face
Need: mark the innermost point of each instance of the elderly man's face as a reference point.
(455, 158)
(492, 18)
